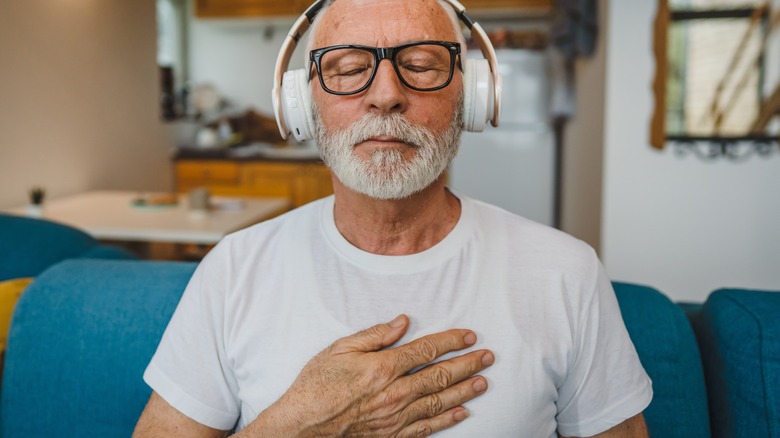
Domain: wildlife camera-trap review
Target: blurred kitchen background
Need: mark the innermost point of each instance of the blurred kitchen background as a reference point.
(210, 49)
(604, 134)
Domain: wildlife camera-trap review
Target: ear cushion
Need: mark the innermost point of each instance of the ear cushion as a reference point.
(296, 104)
(477, 94)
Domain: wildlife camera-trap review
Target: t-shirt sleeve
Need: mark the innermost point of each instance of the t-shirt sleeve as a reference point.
(190, 369)
(605, 384)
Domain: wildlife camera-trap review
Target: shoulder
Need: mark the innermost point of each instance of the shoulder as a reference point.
(532, 244)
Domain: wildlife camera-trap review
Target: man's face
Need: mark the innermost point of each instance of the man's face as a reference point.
(388, 141)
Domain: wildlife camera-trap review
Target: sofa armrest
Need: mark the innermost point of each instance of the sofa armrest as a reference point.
(667, 348)
(81, 336)
(739, 336)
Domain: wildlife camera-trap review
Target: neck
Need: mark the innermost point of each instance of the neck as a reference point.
(397, 226)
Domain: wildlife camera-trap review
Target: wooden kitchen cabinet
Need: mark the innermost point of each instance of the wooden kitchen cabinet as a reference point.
(314, 182)
(209, 172)
(507, 4)
(275, 8)
(220, 177)
(272, 179)
(300, 182)
(249, 8)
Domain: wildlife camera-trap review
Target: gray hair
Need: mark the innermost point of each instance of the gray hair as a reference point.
(312, 33)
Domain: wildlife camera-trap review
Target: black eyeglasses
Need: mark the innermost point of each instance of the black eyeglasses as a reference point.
(421, 65)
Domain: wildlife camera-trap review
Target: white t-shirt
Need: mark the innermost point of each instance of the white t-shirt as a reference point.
(269, 298)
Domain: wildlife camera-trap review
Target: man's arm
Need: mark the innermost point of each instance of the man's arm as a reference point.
(159, 419)
(356, 387)
(634, 427)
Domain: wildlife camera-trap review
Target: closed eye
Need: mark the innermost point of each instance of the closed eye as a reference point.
(417, 68)
(352, 72)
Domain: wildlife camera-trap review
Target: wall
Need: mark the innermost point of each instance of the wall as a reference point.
(79, 94)
(682, 225)
(583, 148)
(238, 57)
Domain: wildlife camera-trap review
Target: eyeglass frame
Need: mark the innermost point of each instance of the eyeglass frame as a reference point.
(381, 53)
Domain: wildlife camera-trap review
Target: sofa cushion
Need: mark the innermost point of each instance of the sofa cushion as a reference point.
(82, 335)
(667, 348)
(739, 334)
(31, 245)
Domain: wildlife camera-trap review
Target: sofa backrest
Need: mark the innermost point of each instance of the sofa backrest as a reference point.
(739, 335)
(84, 331)
(81, 337)
(667, 348)
(28, 246)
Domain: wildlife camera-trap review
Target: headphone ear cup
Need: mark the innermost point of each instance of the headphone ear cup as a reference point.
(477, 94)
(296, 104)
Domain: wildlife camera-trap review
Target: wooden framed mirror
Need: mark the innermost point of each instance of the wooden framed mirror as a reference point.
(717, 71)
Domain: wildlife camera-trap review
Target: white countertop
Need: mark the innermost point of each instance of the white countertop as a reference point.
(111, 215)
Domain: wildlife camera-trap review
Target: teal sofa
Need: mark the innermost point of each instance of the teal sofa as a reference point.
(84, 331)
(739, 335)
(30, 245)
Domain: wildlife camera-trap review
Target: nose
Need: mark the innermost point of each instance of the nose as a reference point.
(386, 94)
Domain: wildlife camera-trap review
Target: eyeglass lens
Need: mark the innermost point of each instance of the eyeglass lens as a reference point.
(421, 67)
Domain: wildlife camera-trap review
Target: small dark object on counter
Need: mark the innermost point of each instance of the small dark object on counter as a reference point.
(156, 200)
(36, 195)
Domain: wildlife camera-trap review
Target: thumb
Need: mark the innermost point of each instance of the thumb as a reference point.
(376, 337)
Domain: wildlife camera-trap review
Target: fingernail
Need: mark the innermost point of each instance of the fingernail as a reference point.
(480, 385)
(470, 338)
(397, 322)
(461, 415)
(488, 359)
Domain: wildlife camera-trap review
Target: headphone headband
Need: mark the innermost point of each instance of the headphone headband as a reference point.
(300, 27)
(303, 23)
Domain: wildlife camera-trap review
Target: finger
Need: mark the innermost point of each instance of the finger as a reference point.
(374, 338)
(425, 350)
(429, 426)
(444, 374)
(434, 404)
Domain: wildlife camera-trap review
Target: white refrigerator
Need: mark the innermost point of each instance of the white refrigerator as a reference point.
(513, 166)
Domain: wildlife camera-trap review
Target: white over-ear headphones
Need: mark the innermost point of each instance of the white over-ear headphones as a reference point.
(292, 98)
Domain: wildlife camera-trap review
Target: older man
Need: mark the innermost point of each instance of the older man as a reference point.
(244, 350)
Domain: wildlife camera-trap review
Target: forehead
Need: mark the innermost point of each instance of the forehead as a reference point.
(383, 22)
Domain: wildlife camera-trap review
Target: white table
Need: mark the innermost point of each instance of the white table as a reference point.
(110, 215)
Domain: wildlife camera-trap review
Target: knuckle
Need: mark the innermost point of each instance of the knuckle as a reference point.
(424, 428)
(338, 346)
(374, 331)
(426, 348)
(441, 377)
(383, 424)
(370, 332)
(434, 404)
(330, 349)
(472, 365)
(420, 386)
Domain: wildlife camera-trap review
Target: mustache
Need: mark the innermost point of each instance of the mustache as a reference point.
(394, 125)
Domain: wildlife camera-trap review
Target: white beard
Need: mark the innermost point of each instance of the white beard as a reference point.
(386, 174)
